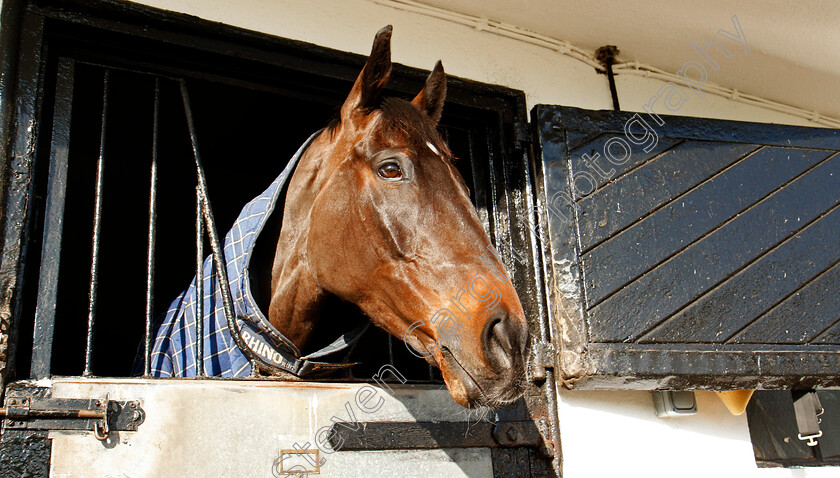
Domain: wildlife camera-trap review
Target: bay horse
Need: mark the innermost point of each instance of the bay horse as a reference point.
(377, 215)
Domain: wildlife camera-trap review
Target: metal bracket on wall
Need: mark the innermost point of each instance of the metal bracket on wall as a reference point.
(669, 403)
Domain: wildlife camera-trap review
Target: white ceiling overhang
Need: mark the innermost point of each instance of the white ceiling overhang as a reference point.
(793, 46)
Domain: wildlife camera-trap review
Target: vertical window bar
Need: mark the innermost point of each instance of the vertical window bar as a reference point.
(53, 222)
(215, 243)
(97, 227)
(390, 349)
(150, 252)
(479, 185)
(199, 284)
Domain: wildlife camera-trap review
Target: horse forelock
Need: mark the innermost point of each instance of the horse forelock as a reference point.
(419, 129)
(401, 116)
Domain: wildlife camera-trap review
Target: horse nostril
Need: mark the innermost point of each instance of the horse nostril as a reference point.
(498, 341)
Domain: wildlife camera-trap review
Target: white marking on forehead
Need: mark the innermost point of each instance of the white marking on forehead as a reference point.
(432, 147)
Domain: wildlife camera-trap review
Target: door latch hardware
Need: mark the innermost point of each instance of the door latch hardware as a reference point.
(102, 416)
(807, 410)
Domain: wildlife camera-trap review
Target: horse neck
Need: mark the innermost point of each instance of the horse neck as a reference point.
(295, 295)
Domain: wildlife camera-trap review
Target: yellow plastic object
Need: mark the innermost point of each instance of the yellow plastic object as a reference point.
(736, 400)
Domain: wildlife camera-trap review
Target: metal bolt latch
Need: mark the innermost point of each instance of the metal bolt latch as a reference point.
(102, 416)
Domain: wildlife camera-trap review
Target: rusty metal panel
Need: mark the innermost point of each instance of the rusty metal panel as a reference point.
(691, 253)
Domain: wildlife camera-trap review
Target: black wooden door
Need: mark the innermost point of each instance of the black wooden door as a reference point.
(697, 253)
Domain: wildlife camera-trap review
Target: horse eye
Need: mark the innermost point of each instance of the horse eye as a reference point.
(390, 171)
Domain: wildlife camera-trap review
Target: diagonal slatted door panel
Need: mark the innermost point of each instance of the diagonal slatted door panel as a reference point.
(801, 316)
(679, 248)
(679, 282)
(831, 336)
(651, 186)
(746, 295)
(690, 217)
(581, 159)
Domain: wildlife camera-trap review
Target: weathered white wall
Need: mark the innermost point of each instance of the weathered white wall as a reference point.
(603, 433)
(617, 434)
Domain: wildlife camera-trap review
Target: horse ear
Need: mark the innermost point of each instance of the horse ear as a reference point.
(371, 81)
(430, 99)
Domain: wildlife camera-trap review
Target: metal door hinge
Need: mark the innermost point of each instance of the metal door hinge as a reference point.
(542, 359)
(102, 416)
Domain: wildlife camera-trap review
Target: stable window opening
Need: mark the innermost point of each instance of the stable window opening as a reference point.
(98, 270)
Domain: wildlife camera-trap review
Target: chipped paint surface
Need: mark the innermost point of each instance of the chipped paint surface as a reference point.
(207, 428)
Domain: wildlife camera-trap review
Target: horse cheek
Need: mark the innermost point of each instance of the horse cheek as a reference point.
(337, 246)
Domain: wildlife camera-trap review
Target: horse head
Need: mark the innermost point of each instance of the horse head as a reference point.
(377, 215)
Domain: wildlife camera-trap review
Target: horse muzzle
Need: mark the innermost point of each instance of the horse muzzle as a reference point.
(497, 379)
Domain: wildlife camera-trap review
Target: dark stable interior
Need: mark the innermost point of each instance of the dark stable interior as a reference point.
(247, 130)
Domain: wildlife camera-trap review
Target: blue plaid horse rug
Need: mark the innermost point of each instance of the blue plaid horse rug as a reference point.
(175, 346)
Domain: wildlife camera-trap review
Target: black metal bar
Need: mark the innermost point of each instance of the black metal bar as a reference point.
(611, 79)
(53, 222)
(390, 349)
(543, 303)
(215, 244)
(606, 56)
(97, 227)
(199, 284)
(350, 436)
(150, 252)
(478, 172)
(412, 435)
